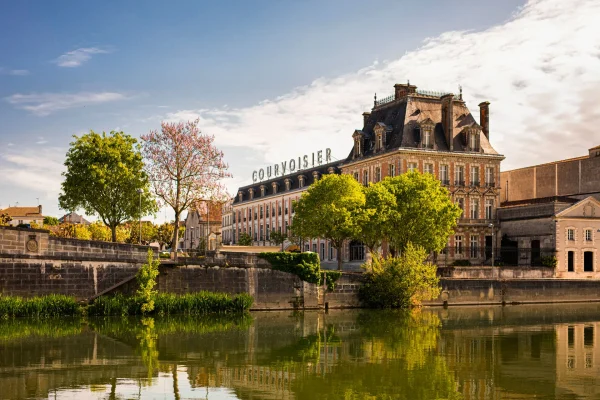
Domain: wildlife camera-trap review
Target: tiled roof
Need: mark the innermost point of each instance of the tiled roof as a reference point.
(402, 118)
(22, 212)
(74, 218)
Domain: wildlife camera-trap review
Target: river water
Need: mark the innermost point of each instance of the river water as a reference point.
(513, 352)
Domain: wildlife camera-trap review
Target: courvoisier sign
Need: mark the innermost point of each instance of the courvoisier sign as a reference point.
(293, 165)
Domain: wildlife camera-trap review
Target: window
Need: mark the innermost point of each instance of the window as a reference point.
(474, 141)
(570, 234)
(460, 202)
(475, 208)
(356, 177)
(588, 261)
(489, 176)
(588, 235)
(330, 251)
(570, 261)
(444, 174)
(279, 209)
(474, 176)
(261, 212)
(365, 178)
(301, 181)
(377, 174)
(459, 175)
(379, 141)
(314, 247)
(458, 244)
(286, 227)
(261, 233)
(489, 208)
(474, 246)
(412, 166)
(571, 336)
(287, 184)
(428, 169)
(588, 336)
(286, 208)
(392, 169)
(322, 251)
(427, 142)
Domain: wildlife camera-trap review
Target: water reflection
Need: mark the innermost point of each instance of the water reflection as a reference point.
(542, 352)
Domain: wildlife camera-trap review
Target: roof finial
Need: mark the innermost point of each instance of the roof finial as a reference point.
(408, 82)
(375, 99)
(460, 90)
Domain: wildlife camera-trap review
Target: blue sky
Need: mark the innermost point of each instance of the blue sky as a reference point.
(274, 79)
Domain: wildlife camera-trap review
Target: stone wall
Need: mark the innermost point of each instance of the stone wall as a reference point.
(488, 272)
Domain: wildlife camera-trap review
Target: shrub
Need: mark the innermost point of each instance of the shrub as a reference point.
(461, 263)
(549, 261)
(245, 240)
(54, 305)
(305, 266)
(399, 282)
(146, 278)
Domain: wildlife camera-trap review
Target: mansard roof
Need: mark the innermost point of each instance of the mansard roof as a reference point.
(403, 115)
(280, 181)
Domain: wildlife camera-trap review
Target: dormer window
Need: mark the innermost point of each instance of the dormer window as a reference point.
(380, 131)
(426, 128)
(288, 184)
(241, 196)
(358, 137)
(301, 181)
(263, 190)
(315, 175)
(474, 141)
(274, 187)
(251, 193)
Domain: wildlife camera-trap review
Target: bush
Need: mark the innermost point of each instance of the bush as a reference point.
(549, 261)
(305, 266)
(461, 263)
(54, 305)
(146, 279)
(245, 240)
(199, 303)
(399, 282)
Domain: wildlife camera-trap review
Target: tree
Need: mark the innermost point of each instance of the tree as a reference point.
(245, 240)
(146, 278)
(5, 219)
(423, 213)
(51, 221)
(184, 167)
(149, 232)
(99, 231)
(104, 174)
(278, 238)
(378, 210)
(164, 233)
(332, 208)
(400, 282)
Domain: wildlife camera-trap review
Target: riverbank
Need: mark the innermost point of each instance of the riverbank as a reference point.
(50, 306)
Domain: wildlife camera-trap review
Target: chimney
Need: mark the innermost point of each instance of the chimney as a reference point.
(484, 118)
(448, 118)
(366, 116)
(403, 90)
(40, 208)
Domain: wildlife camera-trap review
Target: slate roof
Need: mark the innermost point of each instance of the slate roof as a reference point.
(74, 218)
(295, 183)
(402, 118)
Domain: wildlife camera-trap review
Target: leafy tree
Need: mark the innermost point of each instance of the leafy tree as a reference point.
(149, 232)
(278, 238)
(184, 167)
(146, 278)
(332, 208)
(400, 282)
(245, 240)
(378, 211)
(164, 233)
(423, 213)
(68, 230)
(104, 174)
(51, 221)
(99, 231)
(5, 219)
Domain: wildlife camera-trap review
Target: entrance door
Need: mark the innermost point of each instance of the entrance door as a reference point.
(488, 247)
(536, 258)
(570, 261)
(588, 261)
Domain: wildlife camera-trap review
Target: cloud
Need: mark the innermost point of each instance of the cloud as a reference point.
(39, 172)
(15, 72)
(41, 140)
(539, 70)
(46, 103)
(76, 58)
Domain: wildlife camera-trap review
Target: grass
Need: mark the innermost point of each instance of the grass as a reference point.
(53, 305)
(199, 303)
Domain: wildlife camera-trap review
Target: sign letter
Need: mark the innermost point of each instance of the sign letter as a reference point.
(292, 165)
(320, 157)
(261, 174)
(327, 156)
(254, 176)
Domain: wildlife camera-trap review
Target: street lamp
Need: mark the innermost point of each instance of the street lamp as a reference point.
(140, 191)
(491, 225)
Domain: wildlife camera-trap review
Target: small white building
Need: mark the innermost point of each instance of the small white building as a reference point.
(24, 215)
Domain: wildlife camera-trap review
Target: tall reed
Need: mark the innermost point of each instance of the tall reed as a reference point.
(53, 305)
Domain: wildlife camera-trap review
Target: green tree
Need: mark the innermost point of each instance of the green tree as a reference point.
(146, 278)
(278, 238)
(332, 208)
(149, 232)
(164, 233)
(245, 240)
(99, 231)
(400, 282)
(5, 219)
(104, 174)
(423, 213)
(379, 208)
(51, 221)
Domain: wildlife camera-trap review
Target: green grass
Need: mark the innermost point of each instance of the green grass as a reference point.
(199, 303)
(54, 305)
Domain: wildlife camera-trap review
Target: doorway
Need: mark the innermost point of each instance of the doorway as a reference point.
(588, 261)
(488, 247)
(570, 261)
(536, 258)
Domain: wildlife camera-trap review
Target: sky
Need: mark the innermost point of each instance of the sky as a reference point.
(272, 80)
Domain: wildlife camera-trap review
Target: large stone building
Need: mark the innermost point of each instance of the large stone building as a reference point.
(227, 222)
(203, 225)
(552, 210)
(435, 133)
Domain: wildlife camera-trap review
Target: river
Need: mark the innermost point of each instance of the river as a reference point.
(512, 352)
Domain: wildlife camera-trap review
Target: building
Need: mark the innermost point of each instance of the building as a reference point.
(202, 220)
(434, 133)
(73, 218)
(24, 215)
(227, 222)
(267, 206)
(575, 177)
